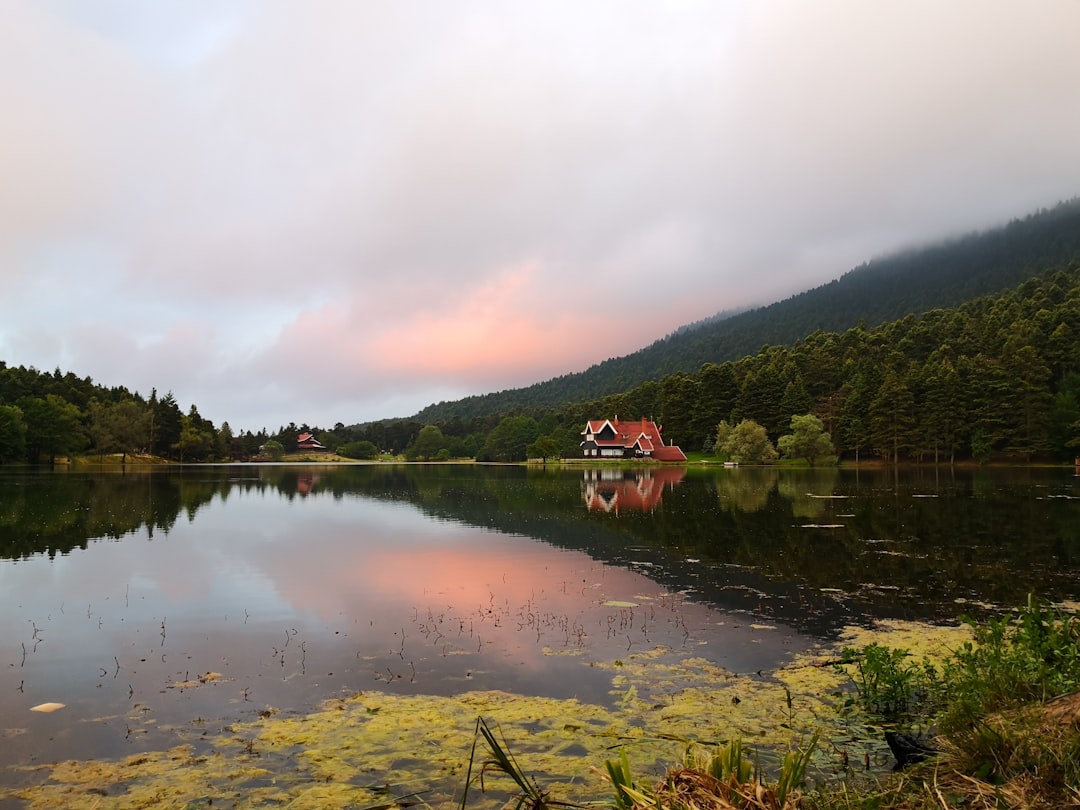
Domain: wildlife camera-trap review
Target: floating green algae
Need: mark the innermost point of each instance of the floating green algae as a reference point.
(367, 749)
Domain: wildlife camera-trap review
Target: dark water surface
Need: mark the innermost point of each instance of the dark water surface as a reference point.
(206, 594)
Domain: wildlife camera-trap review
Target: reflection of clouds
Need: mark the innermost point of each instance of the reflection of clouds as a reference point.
(294, 599)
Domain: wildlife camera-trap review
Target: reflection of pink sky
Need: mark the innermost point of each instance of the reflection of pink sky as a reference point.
(366, 585)
(467, 574)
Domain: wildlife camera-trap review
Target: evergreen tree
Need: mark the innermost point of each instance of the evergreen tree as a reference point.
(1028, 402)
(796, 399)
(12, 434)
(942, 412)
(717, 392)
(760, 399)
(53, 427)
(167, 424)
(892, 416)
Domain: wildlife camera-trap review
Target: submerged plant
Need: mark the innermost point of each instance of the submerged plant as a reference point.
(531, 797)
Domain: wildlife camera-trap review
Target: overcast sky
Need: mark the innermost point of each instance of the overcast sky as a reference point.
(327, 211)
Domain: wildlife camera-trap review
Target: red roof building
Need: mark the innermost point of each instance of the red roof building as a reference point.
(307, 441)
(610, 438)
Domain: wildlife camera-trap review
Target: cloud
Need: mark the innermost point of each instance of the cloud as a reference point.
(349, 207)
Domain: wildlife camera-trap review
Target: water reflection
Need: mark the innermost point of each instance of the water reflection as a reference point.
(745, 489)
(611, 489)
(284, 586)
(119, 593)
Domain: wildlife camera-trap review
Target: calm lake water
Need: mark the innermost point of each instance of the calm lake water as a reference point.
(147, 601)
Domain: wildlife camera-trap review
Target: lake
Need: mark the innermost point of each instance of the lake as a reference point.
(197, 606)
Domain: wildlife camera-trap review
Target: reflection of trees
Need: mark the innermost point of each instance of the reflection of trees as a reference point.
(724, 535)
(745, 489)
(57, 513)
(801, 486)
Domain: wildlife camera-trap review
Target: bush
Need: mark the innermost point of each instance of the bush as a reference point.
(359, 450)
(1032, 656)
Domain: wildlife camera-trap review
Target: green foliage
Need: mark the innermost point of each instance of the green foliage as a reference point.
(793, 769)
(622, 780)
(510, 440)
(196, 442)
(727, 763)
(746, 443)
(807, 439)
(502, 761)
(544, 448)
(53, 426)
(12, 434)
(429, 441)
(273, 449)
(118, 427)
(1004, 703)
(889, 683)
(359, 450)
(166, 424)
(1032, 656)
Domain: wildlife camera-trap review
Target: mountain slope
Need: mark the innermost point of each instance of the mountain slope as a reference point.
(881, 290)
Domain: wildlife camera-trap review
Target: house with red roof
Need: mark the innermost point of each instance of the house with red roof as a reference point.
(307, 441)
(639, 439)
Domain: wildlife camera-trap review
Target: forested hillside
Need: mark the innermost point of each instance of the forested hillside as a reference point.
(996, 378)
(879, 291)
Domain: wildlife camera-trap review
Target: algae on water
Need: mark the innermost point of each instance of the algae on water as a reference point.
(371, 747)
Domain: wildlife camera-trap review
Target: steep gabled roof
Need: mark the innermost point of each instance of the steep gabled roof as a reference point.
(641, 433)
(596, 425)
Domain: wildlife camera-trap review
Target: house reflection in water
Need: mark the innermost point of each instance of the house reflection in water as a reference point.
(305, 482)
(615, 490)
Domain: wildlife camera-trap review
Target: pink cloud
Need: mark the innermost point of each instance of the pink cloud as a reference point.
(521, 326)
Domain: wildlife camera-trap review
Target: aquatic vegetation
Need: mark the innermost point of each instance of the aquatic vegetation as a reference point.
(678, 732)
(362, 749)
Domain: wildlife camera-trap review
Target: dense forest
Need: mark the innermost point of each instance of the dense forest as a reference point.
(995, 378)
(877, 292)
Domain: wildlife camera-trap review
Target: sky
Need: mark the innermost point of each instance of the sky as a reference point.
(339, 211)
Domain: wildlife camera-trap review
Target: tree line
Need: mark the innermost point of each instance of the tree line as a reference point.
(998, 377)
